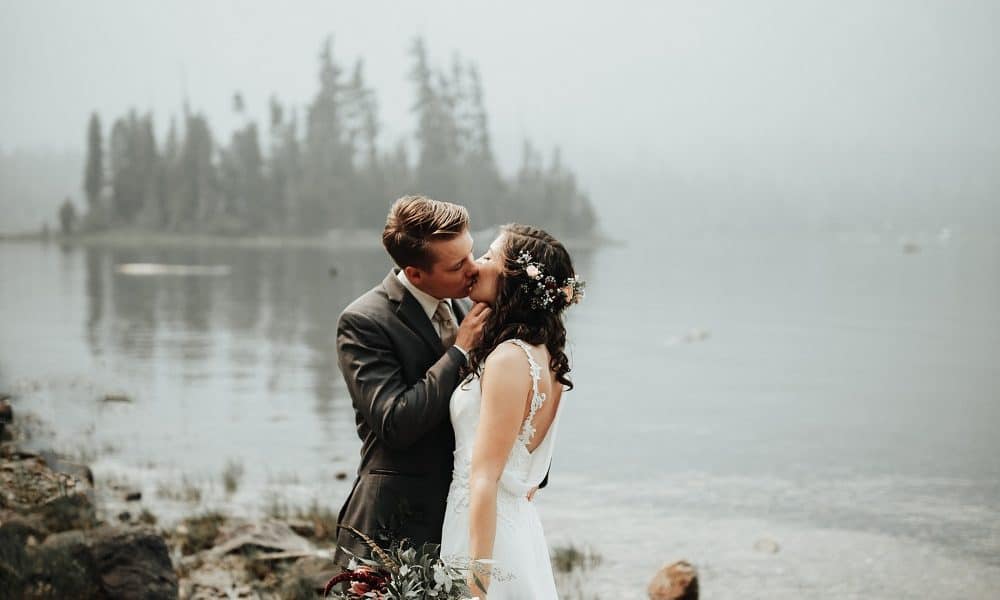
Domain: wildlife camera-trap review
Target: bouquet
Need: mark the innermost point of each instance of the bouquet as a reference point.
(401, 573)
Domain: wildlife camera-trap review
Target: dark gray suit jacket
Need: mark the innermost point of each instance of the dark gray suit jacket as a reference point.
(400, 378)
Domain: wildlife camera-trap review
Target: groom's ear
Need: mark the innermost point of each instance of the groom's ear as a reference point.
(414, 274)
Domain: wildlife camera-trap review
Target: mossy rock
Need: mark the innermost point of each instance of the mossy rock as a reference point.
(133, 563)
(62, 567)
(64, 513)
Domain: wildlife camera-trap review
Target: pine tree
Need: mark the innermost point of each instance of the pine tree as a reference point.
(170, 187)
(199, 200)
(328, 159)
(483, 184)
(124, 191)
(368, 187)
(284, 168)
(67, 217)
(436, 171)
(93, 179)
(147, 171)
(242, 183)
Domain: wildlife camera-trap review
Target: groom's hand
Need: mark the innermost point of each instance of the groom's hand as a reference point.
(470, 332)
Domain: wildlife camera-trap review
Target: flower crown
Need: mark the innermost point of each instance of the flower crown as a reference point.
(546, 293)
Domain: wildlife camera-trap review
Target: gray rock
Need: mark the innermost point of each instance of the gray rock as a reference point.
(61, 567)
(60, 464)
(267, 536)
(133, 563)
(314, 570)
(63, 513)
(116, 398)
(17, 530)
(675, 581)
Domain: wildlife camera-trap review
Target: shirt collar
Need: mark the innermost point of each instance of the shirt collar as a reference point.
(427, 302)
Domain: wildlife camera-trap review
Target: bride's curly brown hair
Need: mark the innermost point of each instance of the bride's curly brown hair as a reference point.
(512, 315)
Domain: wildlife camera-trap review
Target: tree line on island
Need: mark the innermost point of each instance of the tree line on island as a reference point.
(323, 172)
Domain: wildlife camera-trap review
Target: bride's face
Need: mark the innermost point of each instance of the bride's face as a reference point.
(487, 282)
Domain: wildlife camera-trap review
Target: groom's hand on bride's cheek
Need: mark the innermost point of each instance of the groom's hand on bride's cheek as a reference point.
(470, 332)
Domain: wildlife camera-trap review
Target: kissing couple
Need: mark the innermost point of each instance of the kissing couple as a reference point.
(456, 368)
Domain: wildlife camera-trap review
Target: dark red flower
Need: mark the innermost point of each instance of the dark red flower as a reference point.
(362, 580)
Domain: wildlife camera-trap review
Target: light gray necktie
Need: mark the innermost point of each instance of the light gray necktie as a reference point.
(446, 324)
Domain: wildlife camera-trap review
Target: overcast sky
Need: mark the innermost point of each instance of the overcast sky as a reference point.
(622, 87)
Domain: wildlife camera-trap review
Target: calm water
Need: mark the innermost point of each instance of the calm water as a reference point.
(837, 396)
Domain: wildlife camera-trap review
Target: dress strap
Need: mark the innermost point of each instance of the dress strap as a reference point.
(537, 398)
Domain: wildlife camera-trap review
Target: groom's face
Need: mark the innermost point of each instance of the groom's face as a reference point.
(453, 271)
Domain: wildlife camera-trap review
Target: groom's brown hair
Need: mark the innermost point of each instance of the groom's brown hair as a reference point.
(415, 221)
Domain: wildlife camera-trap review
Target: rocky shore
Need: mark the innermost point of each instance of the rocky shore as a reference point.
(63, 535)
(54, 545)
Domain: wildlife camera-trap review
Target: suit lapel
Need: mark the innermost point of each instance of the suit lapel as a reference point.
(411, 313)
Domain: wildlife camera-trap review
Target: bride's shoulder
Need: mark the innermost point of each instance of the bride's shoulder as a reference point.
(506, 353)
(509, 358)
(506, 372)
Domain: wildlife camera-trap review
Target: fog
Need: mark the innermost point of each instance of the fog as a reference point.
(788, 372)
(848, 112)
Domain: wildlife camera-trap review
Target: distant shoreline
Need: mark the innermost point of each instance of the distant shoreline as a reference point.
(353, 239)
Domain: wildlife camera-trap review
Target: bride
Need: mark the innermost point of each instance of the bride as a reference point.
(506, 412)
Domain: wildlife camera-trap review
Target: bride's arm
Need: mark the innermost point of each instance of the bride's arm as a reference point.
(505, 388)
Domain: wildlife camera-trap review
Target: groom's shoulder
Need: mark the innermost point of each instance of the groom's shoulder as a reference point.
(373, 304)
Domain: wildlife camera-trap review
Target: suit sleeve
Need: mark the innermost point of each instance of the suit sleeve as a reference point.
(398, 414)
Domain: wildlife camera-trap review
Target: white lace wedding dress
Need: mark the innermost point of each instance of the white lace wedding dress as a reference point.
(521, 556)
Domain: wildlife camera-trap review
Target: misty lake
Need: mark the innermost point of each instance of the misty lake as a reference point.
(836, 399)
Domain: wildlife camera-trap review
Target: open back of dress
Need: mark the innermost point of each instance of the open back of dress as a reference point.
(521, 555)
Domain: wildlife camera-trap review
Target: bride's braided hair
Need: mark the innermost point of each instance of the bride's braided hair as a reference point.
(513, 315)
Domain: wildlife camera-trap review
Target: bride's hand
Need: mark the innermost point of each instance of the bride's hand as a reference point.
(531, 493)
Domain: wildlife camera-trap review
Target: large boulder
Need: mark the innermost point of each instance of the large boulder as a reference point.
(13, 554)
(27, 482)
(63, 513)
(675, 581)
(20, 530)
(104, 564)
(133, 563)
(62, 567)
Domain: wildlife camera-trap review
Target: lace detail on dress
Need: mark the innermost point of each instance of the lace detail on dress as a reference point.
(537, 398)
(459, 494)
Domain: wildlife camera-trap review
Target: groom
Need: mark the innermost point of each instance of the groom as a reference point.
(400, 347)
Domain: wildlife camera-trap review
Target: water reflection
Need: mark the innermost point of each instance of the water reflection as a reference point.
(272, 303)
(254, 318)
